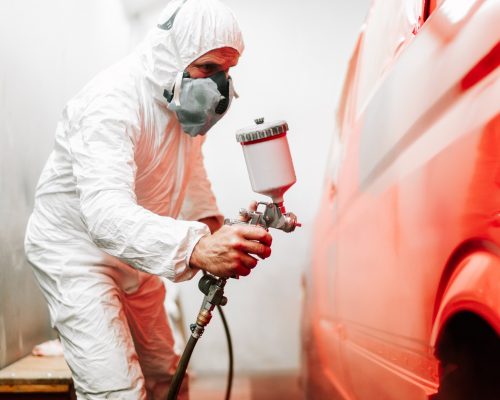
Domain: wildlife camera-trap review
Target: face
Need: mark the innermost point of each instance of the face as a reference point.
(212, 62)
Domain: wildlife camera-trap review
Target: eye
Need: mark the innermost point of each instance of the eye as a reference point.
(208, 68)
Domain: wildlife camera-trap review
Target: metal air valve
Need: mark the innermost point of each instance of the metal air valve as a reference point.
(213, 289)
(274, 216)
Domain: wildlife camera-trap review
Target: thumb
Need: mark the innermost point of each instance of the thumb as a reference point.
(252, 207)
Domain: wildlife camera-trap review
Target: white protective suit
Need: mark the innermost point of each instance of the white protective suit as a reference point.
(104, 223)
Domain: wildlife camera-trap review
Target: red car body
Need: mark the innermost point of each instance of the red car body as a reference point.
(402, 297)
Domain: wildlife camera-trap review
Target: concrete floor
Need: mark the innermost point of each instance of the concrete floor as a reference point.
(277, 386)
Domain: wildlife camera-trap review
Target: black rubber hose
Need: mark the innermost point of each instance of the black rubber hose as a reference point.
(230, 353)
(180, 372)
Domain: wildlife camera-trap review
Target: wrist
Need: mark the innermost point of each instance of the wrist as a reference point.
(195, 259)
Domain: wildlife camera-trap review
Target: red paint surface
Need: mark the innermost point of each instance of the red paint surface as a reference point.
(407, 234)
(484, 67)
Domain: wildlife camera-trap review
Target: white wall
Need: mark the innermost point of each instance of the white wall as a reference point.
(48, 50)
(292, 69)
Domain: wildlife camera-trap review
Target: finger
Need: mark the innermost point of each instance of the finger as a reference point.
(256, 248)
(256, 233)
(253, 206)
(248, 261)
(242, 271)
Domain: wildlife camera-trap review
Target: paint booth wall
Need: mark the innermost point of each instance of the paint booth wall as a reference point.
(48, 51)
(292, 69)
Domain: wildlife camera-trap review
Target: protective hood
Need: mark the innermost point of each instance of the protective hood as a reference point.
(186, 30)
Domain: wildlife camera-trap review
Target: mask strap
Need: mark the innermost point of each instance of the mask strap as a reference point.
(178, 88)
(232, 89)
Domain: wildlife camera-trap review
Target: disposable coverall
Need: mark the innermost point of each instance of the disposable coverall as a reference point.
(116, 206)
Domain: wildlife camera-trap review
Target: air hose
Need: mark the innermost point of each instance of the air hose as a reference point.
(229, 352)
(180, 372)
(213, 288)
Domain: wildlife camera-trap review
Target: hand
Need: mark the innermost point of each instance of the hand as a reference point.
(227, 253)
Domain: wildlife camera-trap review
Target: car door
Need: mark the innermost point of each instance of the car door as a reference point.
(384, 299)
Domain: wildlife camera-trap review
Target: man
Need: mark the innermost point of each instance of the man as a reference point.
(126, 164)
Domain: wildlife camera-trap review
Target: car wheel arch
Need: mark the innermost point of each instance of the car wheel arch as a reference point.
(466, 326)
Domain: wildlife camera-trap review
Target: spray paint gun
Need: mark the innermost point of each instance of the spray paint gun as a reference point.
(271, 172)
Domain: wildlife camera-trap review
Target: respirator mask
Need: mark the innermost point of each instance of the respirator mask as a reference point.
(202, 102)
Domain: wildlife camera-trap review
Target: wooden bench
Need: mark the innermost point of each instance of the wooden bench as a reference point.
(37, 378)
